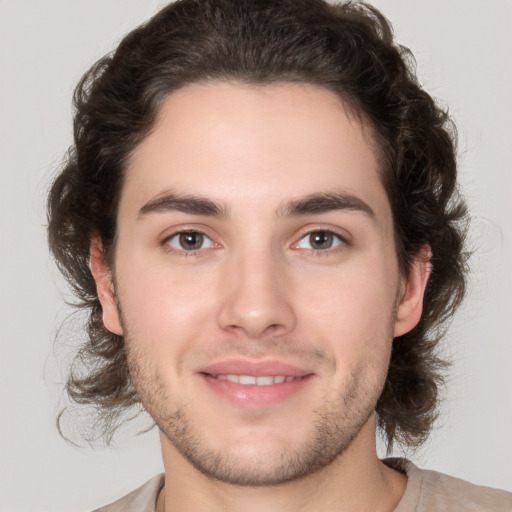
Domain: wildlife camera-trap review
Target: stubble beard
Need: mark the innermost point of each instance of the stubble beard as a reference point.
(332, 433)
(334, 426)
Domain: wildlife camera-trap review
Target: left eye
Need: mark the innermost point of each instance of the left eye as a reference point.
(319, 240)
(189, 241)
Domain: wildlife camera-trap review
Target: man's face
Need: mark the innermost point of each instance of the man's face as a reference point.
(256, 279)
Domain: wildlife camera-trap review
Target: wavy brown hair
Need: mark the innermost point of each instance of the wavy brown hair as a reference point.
(348, 49)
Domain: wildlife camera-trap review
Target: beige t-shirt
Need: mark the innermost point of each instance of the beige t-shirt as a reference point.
(430, 491)
(427, 491)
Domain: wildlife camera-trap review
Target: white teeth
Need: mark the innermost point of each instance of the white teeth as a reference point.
(265, 380)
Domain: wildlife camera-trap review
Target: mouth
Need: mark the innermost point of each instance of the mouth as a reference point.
(255, 384)
(253, 380)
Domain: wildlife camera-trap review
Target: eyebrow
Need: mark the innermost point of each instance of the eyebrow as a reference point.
(327, 202)
(311, 204)
(192, 204)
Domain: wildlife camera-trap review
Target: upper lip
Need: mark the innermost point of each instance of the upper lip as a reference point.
(255, 368)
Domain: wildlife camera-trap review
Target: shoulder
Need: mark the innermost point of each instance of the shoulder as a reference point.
(432, 491)
(142, 499)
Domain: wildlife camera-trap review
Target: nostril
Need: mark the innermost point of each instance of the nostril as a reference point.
(255, 311)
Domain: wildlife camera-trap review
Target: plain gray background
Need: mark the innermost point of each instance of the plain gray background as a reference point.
(463, 52)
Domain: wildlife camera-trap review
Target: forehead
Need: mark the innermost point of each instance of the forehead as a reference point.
(254, 145)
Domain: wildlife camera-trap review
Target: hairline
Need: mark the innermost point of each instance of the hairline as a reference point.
(350, 105)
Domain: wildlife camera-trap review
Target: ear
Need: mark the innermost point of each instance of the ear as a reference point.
(410, 306)
(105, 288)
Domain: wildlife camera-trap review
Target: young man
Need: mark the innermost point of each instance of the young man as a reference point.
(260, 211)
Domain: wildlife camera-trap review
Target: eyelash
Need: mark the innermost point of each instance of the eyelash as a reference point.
(343, 242)
(183, 252)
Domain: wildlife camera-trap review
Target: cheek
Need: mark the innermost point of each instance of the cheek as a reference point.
(352, 308)
(164, 308)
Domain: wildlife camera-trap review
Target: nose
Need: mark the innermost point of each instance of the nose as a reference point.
(256, 298)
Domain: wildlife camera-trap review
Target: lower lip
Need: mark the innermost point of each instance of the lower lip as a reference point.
(253, 396)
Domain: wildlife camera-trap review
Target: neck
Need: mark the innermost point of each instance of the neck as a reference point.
(355, 481)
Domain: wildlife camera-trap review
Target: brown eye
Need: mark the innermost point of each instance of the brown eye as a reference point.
(319, 240)
(189, 241)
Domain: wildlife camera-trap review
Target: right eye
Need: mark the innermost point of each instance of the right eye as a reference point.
(189, 241)
(320, 240)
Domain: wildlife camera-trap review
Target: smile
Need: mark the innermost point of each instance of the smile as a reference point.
(251, 380)
(255, 384)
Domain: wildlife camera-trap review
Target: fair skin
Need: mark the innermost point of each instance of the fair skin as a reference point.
(257, 286)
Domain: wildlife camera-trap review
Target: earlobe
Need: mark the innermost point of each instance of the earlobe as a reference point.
(105, 288)
(410, 306)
